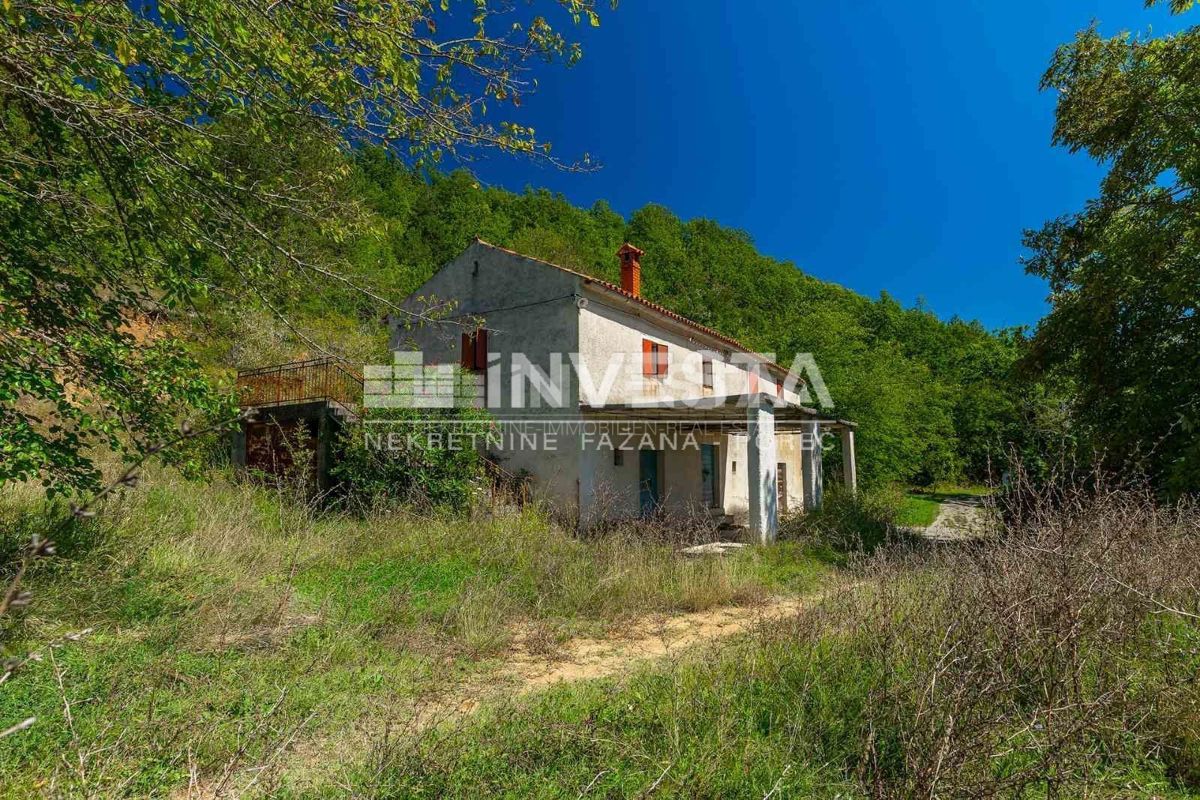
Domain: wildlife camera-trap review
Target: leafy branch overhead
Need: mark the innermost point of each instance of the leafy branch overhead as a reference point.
(152, 155)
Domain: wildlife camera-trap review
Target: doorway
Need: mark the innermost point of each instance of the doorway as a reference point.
(709, 487)
(649, 482)
(781, 483)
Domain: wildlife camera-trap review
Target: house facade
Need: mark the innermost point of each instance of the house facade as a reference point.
(616, 407)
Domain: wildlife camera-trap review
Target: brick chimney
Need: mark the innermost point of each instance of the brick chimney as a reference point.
(631, 269)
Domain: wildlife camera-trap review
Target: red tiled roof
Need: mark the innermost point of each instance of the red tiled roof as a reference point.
(663, 310)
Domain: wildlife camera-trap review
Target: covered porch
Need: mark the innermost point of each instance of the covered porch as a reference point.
(750, 457)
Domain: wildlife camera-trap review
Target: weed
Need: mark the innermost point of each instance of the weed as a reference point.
(242, 638)
(1056, 659)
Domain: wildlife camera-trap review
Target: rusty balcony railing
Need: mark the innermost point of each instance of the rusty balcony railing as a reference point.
(301, 382)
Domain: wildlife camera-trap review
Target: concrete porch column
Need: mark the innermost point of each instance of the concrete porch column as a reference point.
(849, 462)
(760, 472)
(810, 460)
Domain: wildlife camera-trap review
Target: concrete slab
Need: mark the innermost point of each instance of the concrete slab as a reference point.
(713, 549)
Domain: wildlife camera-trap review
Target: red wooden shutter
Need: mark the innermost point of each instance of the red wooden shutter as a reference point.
(481, 349)
(468, 351)
(662, 359)
(753, 383)
(647, 357)
(779, 388)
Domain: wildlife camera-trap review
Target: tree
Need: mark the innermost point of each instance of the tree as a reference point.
(1124, 272)
(153, 155)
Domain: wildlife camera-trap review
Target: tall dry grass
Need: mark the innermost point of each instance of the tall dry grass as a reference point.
(1065, 647)
(1058, 658)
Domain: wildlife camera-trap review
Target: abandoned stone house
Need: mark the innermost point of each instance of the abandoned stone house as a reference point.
(623, 407)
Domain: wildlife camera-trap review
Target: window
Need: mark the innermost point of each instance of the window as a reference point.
(618, 458)
(654, 358)
(706, 373)
(475, 350)
(779, 388)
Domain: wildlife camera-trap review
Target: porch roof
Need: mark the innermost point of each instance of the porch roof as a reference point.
(724, 411)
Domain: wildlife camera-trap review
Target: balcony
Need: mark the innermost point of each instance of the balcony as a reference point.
(316, 380)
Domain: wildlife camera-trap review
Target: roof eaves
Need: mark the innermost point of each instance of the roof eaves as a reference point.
(663, 310)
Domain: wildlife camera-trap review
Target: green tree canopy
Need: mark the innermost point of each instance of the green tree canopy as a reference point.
(152, 155)
(1124, 272)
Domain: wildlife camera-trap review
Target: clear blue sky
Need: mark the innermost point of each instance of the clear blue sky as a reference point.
(881, 145)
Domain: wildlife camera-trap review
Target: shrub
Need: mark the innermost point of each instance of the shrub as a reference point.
(1036, 662)
(848, 521)
(424, 458)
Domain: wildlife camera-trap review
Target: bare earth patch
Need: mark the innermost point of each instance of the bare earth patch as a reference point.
(528, 667)
(649, 638)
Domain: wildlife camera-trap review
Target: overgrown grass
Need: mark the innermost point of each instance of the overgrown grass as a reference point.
(1060, 661)
(230, 626)
(943, 492)
(849, 523)
(917, 511)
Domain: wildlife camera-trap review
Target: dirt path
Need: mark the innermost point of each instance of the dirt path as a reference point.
(525, 669)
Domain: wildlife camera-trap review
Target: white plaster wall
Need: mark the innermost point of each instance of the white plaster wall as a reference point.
(608, 491)
(611, 491)
(527, 307)
(789, 450)
(683, 491)
(610, 325)
(736, 487)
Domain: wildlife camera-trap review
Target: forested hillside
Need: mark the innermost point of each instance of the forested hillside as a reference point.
(934, 399)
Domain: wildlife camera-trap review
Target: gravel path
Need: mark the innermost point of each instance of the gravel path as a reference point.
(959, 520)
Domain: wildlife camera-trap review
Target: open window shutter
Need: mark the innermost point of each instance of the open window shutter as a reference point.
(647, 357)
(753, 383)
(467, 352)
(481, 348)
(662, 359)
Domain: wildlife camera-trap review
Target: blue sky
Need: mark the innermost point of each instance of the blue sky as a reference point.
(881, 145)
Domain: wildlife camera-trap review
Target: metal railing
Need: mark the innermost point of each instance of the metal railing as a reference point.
(300, 382)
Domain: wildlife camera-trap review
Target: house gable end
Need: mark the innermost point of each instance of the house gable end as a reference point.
(482, 279)
(528, 308)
